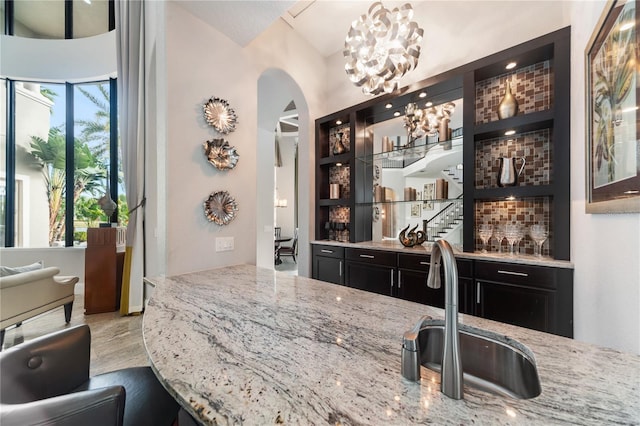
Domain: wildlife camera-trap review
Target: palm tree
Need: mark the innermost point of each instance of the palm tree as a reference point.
(52, 156)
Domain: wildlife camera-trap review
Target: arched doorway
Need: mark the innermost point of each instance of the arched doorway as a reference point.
(276, 89)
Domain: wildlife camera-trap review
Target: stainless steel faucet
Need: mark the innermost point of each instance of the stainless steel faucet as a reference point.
(451, 373)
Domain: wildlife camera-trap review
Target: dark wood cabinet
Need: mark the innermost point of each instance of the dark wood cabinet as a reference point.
(531, 296)
(328, 264)
(413, 270)
(371, 270)
(536, 297)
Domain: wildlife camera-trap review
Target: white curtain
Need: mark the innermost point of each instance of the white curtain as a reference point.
(130, 37)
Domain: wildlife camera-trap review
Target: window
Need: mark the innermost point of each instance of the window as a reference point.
(60, 19)
(55, 199)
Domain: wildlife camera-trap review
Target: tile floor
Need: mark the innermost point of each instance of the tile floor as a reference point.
(116, 341)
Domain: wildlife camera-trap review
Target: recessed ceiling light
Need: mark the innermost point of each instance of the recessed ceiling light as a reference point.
(423, 94)
(389, 105)
(338, 122)
(510, 132)
(428, 104)
(339, 164)
(511, 198)
(631, 191)
(396, 114)
(511, 65)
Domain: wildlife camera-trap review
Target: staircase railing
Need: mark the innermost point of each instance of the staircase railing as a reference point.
(444, 219)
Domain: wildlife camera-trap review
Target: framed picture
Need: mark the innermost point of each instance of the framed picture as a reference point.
(613, 146)
(416, 210)
(428, 193)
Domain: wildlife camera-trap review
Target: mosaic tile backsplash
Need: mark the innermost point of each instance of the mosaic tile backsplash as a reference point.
(525, 212)
(532, 86)
(535, 147)
(339, 214)
(341, 133)
(340, 175)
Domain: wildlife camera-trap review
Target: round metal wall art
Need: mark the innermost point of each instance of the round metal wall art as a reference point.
(220, 115)
(220, 154)
(220, 208)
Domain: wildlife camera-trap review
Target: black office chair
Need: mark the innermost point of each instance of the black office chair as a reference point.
(290, 250)
(46, 381)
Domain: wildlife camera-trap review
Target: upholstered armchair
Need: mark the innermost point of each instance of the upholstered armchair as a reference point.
(27, 294)
(46, 381)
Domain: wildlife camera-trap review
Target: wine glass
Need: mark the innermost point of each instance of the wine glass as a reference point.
(484, 232)
(538, 234)
(498, 234)
(513, 233)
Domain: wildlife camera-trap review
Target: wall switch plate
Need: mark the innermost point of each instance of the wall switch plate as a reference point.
(224, 243)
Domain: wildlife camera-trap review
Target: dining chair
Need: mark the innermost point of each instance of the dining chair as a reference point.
(290, 250)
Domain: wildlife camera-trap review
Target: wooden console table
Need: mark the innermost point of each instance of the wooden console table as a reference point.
(103, 262)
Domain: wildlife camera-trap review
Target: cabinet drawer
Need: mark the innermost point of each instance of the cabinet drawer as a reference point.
(465, 268)
(534, 276)
(417, 262)
(371, 256)
(328, 251)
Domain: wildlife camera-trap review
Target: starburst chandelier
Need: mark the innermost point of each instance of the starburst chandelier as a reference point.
(381, 47)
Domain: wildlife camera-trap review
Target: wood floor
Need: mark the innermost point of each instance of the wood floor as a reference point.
(116, 341)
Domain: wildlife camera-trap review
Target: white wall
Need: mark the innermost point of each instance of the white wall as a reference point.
(285, 182)
(605, 248)
(73, 60)
(201, 63)
(70, 260)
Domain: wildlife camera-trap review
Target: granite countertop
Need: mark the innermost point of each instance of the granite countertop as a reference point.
(394, 245)
(246, 345)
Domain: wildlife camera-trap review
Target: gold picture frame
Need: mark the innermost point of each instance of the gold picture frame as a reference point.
(612, 92)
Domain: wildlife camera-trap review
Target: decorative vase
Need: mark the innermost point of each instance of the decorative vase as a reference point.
(508, 106)
(338, 146)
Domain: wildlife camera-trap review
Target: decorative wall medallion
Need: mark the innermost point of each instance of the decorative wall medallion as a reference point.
(220, 208)
(220, 154)
(220, 115)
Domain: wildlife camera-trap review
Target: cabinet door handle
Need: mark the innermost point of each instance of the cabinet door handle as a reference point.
(341, 268)
(425, 263)
(478, 293)
(520, 274)
(326, 251)
(368, 256)
(391, 272)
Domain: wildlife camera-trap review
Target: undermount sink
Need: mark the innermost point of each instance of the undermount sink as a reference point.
(490, 362)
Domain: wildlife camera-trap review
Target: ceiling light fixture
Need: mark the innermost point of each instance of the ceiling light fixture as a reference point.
(387, 106)
(422, 95)
(338, 122)
(511, 65)
(510, 132)
(396, 114)
(381, 47)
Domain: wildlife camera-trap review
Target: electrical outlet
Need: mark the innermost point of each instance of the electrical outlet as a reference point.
(224, 243)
